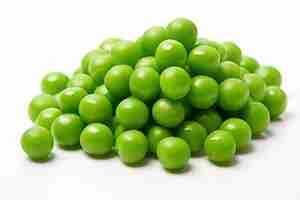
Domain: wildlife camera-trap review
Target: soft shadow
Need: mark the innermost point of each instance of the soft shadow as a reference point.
(226, 164)
(187, 169)
(246, 150)
(50, 158)
(266, 134)
(101, 157)
(284, 117)
(198, 154)
(71, 148)
(141, 163)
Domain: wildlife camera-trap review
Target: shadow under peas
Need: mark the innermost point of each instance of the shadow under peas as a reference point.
(198, 154)
(141, 163)
(248, 149)
(101, 157)
(50, 158)
(226, 164)
(284, 117)
(71, 148)
(185, 170)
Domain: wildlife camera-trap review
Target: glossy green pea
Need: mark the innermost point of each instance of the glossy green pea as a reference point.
(194, 134)
(144, 84)
(203, 41)
(67, 129)
(96, 139)
(132, 146)
(275, 100)
(204, 60)
(47, 116)
(37, 143)
(204, 92)
(155, 134)
(233, 95)
(109, 43)
(175, 83)
(270, 74)
(84, 81)
(132, 113)
(40, 103)
(95, 108)
(220, 146)
(243, 72)
(184, 31)
(152, 37)
(240, 130)
(117, 80)
(168, 113)
(210, 119)
(173, 153)
(232, 52)
(170, 53)
(54, 82)
(102, 90)
(89, 57)
(249, 63)
(148, 61)
(69, 99)
(228, 70)
(257, 86)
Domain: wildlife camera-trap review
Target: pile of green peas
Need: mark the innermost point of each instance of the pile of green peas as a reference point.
(168, 94)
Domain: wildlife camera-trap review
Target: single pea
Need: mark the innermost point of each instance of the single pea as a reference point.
(69, 99)
(220, 146)
(173, 153)
(67, 129)
(96, 139)
(155, 134)
(84, 81)
(152, 37)
(40, 103)
(102, 90)
(249, 63)
(194, 134)
(275, 100)
(233, 94)
(54, 82)
(117, 80)
(47, 116)
(144, 84)
(270, 74)
(257, 116)
(109, 43)
(240, 130)
(228, 70)
(184, 31)
(148, 61)
(118, 131)
(95, 108)
(204, 60)
(204, 41)
(210, 119)
(170, 53)
(37, 143)
(132, 113)
(204, 92)
(175, 83)
(132, 146)
(99, 67)
(89, 57)
(256, 85)
(232, 52)
(243, 72)
(168, 113)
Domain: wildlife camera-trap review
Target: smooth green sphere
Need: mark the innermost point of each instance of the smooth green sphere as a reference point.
(37, 143)
(148, 61)
(249, 63)
(175, 83)
(102, 90)
(47, 116)
(109, 43)
(152, 37)
(54, 82)
(232, 52)
(96, 139)
(155, 134)
(118, 131)
(256, 85)
(270, 74)
(210, 119)
(40, 103)
(69, 99)
(243, 72)
(89, 57)
(228, 70)
(275, 100)
(83, 81)
(203, 41)
(173, 153)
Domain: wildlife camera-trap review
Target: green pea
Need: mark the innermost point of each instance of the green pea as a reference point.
(69, 99)
(47, 116)
(240, 130)
(243, 72)
(40, 103)
(102, 90)
(168, 113)
(210, 119)
(84, 81)
(139, 44)
(132, 113)
(132, 146)
(194, 134)
(37, 143)
(228, 70)
(148, 61)
(95, 108)
(203, 41)
(89, 57)
(117, 80)
(184, 31)
(173, 153)
(54, 82)
(67, 129)
(170, 53)
(109, 43)
(270, 74)
(275, 100)
(232, 52)
(144, 84)
(152, 37)
(249, 63)
(204, 92)
(96, 139)
(175, 83)
(233, 95)
(220, 146)
(118, 131)
(155, 134)
(257, 86)
(204, 60)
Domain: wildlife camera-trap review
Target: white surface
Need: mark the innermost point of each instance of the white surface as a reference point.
(41, 36)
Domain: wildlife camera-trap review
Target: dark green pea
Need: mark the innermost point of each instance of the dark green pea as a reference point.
(210, 119)
(249, 63)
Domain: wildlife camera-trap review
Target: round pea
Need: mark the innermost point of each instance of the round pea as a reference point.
(232, 52)
(47, 116)
(119, 130)
(228, 70)
(155, 134)
(243, 71)
(270, 74)
(54, 82)
(84, 81)
(148, 61)
(69, 99)
(89, 57)
(40, 103)
(102, 90)
(203, 41)
(257, 86)
(249, 63)
(210, 119)
(109, 43)
(126, 52)
(275, 100)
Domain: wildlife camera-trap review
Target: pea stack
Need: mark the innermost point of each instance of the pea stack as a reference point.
(168, 94)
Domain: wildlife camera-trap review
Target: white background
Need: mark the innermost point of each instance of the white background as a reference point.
(41, 36)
